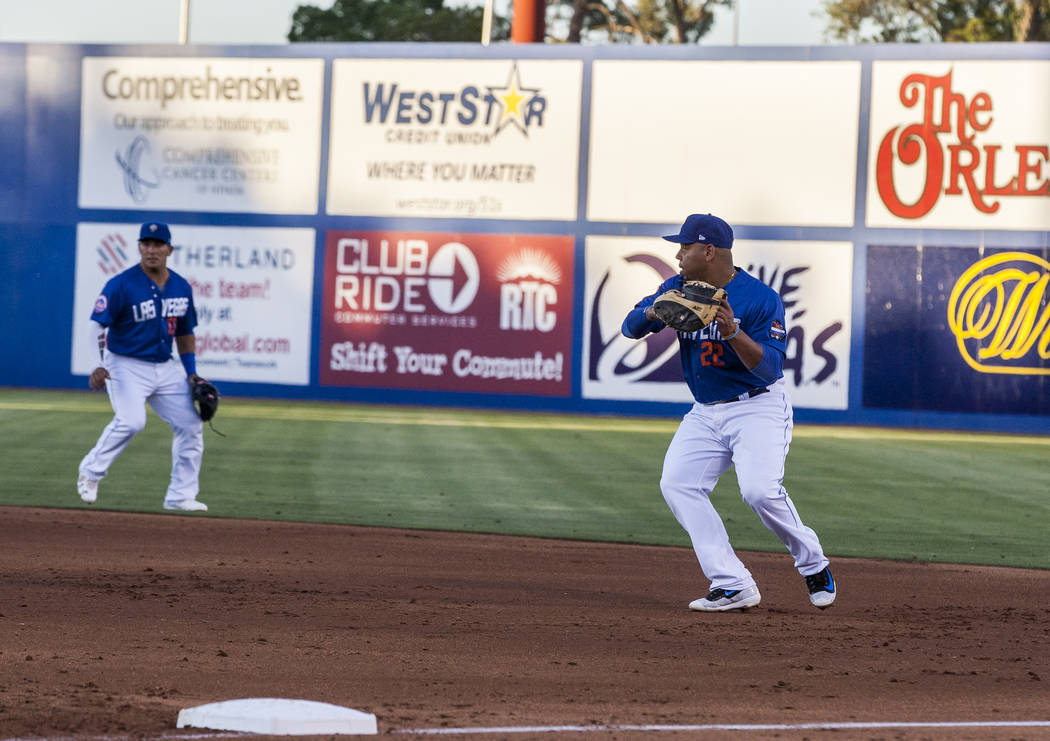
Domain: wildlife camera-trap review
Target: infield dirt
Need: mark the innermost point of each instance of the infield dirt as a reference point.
(110, 623)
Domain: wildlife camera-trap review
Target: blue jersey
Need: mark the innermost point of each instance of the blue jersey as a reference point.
(712, 369)
(142, 318)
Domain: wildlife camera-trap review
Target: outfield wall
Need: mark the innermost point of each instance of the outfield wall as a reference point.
(467, 226)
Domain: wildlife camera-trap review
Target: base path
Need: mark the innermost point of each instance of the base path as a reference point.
(110, 623)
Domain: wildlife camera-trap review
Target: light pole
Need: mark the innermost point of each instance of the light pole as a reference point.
(486, 24)
(184, 21)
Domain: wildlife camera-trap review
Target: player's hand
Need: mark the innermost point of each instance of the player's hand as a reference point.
(725, 316)
(97, 379)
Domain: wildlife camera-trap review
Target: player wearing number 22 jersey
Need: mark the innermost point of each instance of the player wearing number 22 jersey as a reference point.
(741, 417)
(140, 314)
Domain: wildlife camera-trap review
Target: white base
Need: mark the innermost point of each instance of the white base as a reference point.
(278, 717)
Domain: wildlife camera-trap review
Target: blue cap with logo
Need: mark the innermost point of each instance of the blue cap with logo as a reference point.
(155, 230)
(705, 229)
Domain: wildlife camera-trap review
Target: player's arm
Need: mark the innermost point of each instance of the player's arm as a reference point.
(749, 351)
(187, 346)
(96, 344)
(641, 320)
(765, 361)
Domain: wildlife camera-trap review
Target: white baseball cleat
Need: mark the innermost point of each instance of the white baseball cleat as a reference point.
(186, 505)
(87, 489)
(720, 600)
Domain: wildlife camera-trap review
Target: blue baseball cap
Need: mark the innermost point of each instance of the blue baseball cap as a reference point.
(706, 229)
(155, 230)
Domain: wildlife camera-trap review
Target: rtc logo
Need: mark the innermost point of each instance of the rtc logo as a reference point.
(398, 276)
(948, 113)
(527, 291)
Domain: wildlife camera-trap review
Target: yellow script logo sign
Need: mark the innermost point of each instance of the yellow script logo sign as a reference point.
(1000, 307)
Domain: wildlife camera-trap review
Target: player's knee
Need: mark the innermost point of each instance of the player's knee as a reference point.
(670, 487)
(677, 491)
(756, 493)
(132, 425)
(189, 430)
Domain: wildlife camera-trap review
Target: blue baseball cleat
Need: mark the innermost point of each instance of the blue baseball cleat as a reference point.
(821, 587)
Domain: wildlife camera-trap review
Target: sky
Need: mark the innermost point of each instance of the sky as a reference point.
(760, 22)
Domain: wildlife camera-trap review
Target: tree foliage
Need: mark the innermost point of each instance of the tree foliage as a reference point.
(392, 20)
(859, 21)
(641, 21)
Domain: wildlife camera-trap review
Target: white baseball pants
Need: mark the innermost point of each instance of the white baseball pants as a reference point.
(132, 384)
(753, 435)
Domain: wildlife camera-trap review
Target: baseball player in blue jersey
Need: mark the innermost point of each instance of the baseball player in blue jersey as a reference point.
(742, 417)
(136, 317)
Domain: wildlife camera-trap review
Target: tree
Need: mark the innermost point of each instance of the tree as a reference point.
(938, 20)
(392, 20)
(648, 21)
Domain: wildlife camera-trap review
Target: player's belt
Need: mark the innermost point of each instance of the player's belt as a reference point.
(746, 395)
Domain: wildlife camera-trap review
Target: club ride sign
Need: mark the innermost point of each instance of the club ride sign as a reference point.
(452, 312)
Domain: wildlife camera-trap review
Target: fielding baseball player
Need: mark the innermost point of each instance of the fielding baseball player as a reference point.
(136, 317)
(732, 340)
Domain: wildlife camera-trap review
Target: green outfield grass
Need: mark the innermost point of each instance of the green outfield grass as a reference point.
(899, 494)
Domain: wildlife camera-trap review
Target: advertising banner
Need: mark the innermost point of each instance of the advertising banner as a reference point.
(488, 313)
(455, 138)
(812, 278)
(959, 145)
(755, 142)
(201, 134)
(252, 287)
(958, 329)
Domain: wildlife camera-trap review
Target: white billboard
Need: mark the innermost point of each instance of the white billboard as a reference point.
(455, 138)
(756, 142)
(812, 278)
(252, 287)
(201, 134)
(959, 145)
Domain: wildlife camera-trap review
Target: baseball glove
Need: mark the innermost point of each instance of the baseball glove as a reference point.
(206, 397)
(691, 308)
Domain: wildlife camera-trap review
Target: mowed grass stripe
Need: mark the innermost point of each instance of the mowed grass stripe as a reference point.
(900, 494)
(335, 412)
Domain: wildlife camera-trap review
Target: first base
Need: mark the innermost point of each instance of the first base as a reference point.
(278, 717)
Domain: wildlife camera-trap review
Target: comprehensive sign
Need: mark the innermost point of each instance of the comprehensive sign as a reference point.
(451, 312)
(959, 145)
(957, 329)
(253, 289)
(201, 134)
(755, 142)
(812, 278)
(455, 138)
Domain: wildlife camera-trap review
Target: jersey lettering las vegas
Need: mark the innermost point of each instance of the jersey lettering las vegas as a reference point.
(142, 318)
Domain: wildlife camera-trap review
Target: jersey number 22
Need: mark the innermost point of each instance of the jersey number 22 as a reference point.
(711, 353)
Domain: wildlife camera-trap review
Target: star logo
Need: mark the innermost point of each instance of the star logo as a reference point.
(514, 101)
